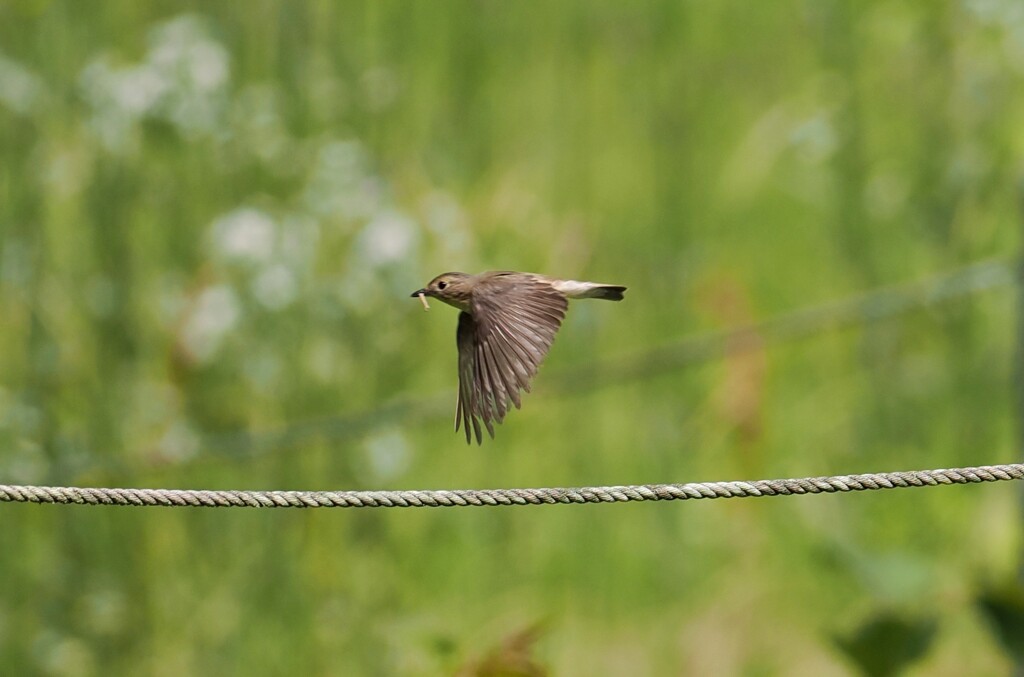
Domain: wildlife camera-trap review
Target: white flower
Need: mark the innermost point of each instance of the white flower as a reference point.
(245, 234)
(388, 454)
(388, 238)
(20, 89)
(215, 313)
(275, 287)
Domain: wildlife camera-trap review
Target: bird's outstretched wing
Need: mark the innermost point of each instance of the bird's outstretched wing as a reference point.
(502, 341)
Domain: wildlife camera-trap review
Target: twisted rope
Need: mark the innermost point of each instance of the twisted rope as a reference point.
(470, 497)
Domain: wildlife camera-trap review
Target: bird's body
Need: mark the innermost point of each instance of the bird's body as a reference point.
(507, 324)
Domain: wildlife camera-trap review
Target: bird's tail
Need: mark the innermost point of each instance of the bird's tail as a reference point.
(590, 290)
(608, 292)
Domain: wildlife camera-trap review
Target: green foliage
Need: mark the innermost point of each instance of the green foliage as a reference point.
(210, 223)
(887, 644)
(1004, 607)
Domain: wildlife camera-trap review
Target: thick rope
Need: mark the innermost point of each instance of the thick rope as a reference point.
(470, 497)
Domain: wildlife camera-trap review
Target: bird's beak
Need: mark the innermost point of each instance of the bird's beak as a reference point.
(423, 294)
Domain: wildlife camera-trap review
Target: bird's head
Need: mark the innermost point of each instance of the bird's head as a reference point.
(455, 289)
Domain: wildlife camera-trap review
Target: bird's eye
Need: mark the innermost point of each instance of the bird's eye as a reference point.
(442, 284)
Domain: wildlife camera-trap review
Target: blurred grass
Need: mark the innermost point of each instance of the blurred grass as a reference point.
(211, 219)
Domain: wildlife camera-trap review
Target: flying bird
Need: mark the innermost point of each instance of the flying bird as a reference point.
(506, 327)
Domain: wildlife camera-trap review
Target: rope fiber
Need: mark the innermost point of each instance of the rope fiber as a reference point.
(494, 497)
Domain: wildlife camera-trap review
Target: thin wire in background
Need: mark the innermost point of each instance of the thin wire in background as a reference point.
(873, 306)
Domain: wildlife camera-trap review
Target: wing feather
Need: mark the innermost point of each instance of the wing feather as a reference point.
(465, 336)
(502, 340)
(486, 355)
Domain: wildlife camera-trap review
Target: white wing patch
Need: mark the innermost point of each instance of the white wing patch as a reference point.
(573, 288)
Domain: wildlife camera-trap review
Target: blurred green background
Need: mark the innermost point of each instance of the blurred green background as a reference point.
(211, 218)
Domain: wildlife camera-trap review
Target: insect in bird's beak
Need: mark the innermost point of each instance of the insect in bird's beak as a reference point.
(422, 293)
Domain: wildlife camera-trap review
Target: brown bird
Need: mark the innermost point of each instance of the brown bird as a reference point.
(506, 327)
